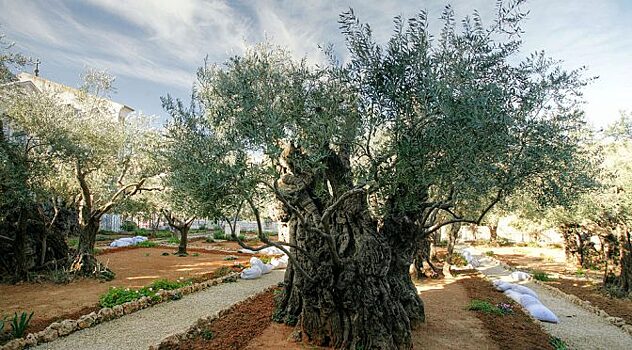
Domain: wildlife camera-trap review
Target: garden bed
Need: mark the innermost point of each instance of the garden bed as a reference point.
(134, 268)
(514, 331)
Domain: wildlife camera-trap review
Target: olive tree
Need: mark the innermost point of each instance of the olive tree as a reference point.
(100, 159)
(370, 156)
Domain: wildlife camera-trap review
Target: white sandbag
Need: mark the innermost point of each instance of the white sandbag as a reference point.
(279, 263)
(139, 239)
(513, 295)
(520, 276)
(497, 282)
(271, 251)
(503, 286)
(267, 268)
(542, 313)
(524, 290)
(254, 261)
(251, 273)
(528, 300)
(122, 242)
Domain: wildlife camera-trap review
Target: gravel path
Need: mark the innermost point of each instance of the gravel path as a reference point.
(579, 328)
(149, 326)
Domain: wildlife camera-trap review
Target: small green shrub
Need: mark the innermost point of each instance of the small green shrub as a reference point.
(202, 227)
(541, 276)
(174, 240)
(117, 295)
(207, 334)
(558, 343)
(195, 254)
(162, 234)
(2, 322)
(459, 260)
(20, 323)
(486, 307)
(230, 237)
(129, 226)
(73, 242)
(219, 234)
(147, 244)
(489, 253)
(142, 232)
(580, 272)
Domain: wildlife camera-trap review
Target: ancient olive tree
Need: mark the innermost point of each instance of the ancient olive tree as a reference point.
(100, 158)
(365, 155)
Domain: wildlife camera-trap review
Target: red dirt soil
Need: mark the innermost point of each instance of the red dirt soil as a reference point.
(134, 268)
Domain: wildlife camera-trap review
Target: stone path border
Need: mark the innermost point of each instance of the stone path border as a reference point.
(67, 327)
(142, 329)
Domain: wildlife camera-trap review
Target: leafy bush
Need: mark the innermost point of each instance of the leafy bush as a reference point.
(486, 307)
(174, 240)
(117, 295)
(202, 227)
(19, 324)
(218, 234)
(129, 226)
(558, 343)
(580, 272)
(541, 276)
(459, 260)
(162, 234)
(147, 244)
(73, 242)
(2, 321)
(207, 334)
(142, 232)
(241, 238)
(489, 253)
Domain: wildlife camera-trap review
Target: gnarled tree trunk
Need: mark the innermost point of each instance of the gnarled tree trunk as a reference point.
(625, 256)
(361, 296)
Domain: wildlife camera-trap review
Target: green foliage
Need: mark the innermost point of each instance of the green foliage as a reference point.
(541, 276)
(129, 226)
(486, 307)
(118, 295)
(558, 343)
(20, 323)
(231, 238)
(490, 253)
(2, 323)
(147, 244)
(207, 334)
(73, 242)
(458, 260)
(580, 272)
(218, 234)
(173, 240)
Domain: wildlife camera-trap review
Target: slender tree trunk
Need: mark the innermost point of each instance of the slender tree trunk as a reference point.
(453, 236)
(625, 254)
(493, 233)
(184, 233)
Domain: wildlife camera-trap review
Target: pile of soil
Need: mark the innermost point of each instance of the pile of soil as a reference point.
(235, 329)
(592, 292)
(514, 331)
